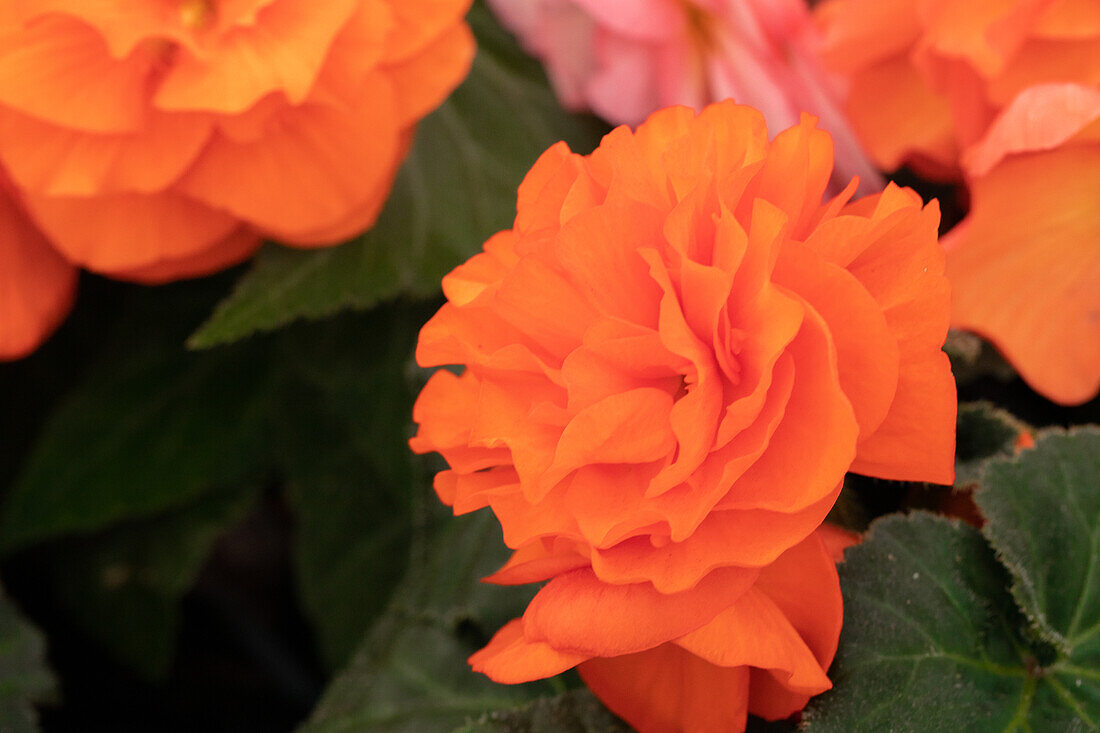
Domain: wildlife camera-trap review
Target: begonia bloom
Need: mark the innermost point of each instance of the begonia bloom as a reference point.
(624, 59)
(1003, 94)
(766, 652)
(672, 359)
(151, 140)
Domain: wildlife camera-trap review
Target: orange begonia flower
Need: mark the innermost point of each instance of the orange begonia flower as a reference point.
(700, 660)
(672, 359)
(151, 140)
(1006, 94)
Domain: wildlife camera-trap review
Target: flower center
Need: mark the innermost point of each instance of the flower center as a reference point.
(195, 15)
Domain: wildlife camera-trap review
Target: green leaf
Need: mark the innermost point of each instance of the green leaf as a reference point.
(345, 418)
(983, 432)
(24, 677)
(410, 673)
(932, 641)
(150, 429)
(1043, 511)
(457, 187)
(138, 572)
(576, 711)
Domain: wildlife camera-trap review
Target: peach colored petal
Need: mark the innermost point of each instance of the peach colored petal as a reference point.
(1039, 118)
(1046, 61)
(1024, 265)
(37, 285)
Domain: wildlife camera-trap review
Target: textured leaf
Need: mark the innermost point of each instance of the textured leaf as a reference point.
(932, 641)
(1043, 511)
(148, 430)
(576, 711)
(457, 187)
(138, 572)
(24, 677)
(983, 432)
(410, 673)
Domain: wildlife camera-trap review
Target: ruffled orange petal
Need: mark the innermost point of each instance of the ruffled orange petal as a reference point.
(789, 476)
(669, 690)
(60, 70)
(760, 536)
(283, 51)
(60, 161)
(128, 231)
(125, 23)
(423, 81)
(869, 377)
(803, 584)
(578, 613)
(315, 167)
(539, 561)
(753, 632)
(418, 22)
(1024, 267)
(37, 285)
(510, 658)
(916, 440)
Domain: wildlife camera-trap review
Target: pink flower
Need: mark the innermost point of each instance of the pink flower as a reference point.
(624, 59)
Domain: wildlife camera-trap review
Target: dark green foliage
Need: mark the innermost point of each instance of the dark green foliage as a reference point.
(410, 675)
(576, 711)
(934, 640)
(983, 432)
(24, 677)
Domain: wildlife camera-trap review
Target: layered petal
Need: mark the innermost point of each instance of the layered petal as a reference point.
(1024, 265)
(37, 285)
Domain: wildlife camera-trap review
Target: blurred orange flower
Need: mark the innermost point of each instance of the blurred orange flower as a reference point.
(156, 139)
(1006, 94)
(677, 352)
